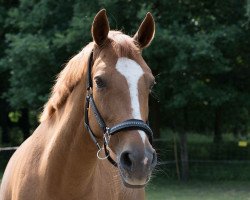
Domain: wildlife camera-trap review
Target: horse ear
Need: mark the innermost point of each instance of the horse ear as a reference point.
(100, 28)
(146, 31)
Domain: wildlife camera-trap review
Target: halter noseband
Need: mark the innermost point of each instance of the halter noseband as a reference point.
(130, 124)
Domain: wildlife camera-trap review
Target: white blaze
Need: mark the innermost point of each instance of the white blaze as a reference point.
(132, 71)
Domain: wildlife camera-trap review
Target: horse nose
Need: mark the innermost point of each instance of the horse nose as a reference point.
(138, 161)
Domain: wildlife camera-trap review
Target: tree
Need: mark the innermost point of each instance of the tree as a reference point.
(200, 56)
(4, 73)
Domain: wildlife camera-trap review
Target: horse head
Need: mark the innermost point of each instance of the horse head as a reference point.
(122, 82)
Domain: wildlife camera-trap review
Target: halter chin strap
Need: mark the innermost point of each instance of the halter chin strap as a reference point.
(130, 124)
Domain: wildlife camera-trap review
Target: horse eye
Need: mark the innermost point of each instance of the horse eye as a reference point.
(99, 82)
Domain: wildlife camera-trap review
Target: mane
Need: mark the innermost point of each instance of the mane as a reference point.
(123, 45)
(69, 77)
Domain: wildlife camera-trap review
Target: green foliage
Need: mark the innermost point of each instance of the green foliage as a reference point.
(14, 116)
(200, 54)
(201, 148)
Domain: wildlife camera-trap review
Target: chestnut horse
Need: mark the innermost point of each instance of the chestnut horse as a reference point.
(58, 161)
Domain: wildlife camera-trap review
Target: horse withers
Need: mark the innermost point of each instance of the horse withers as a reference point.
(102, 96)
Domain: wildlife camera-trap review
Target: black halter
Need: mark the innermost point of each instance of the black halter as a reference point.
(130, 124)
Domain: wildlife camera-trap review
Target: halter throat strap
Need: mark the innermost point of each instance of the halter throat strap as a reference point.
(130, 124)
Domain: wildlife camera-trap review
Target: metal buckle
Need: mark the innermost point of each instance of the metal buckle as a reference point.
(89, 91)
(106, 137)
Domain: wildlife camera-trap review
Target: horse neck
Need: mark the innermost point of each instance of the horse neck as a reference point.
(71, 152)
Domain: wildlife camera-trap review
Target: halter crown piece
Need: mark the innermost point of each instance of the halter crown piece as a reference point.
(130, 124)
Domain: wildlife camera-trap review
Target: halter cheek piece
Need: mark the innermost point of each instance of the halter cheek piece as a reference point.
(130, 124)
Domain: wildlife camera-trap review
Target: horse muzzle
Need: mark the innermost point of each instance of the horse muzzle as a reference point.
(136, 166)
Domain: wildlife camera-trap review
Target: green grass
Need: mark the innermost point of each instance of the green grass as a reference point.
(208, 180)
(198, 190)
(163, 189)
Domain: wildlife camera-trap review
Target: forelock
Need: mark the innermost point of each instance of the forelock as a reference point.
(123, 44)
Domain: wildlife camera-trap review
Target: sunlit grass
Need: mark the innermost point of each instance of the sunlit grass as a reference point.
(198, 190)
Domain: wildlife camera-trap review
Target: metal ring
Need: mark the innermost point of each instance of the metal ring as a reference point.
(99, 157)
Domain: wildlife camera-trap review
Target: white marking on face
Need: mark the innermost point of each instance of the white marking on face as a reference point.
(132, 71)
(145, 160)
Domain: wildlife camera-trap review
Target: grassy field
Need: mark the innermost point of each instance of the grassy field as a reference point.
(161, 189)
(227, 180)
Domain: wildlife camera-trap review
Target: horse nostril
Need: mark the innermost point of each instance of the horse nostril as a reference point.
(126, 160)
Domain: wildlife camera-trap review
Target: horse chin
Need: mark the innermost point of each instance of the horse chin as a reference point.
(128, 185)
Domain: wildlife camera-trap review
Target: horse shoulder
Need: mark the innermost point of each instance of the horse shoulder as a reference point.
(21, 176)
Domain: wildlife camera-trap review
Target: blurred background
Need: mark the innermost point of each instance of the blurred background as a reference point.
(200, 107)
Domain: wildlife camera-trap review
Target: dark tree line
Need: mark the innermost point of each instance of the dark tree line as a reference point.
(200, 57)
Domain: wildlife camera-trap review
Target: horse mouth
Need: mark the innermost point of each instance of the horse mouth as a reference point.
(128, 185)
(130, 182)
